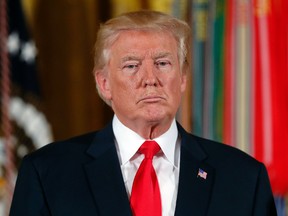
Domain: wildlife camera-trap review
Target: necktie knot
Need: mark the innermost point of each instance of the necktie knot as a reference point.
(149, 148)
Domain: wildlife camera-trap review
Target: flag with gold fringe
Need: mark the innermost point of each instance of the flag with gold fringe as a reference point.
(24, 124)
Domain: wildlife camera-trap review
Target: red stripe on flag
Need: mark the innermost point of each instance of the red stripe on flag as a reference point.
(271, 97)
(229, 74)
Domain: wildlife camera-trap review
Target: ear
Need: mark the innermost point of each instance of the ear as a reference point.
(103, 84)
(183, 80)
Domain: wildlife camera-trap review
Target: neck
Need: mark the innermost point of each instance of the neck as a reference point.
(148, 130)
(152, 131)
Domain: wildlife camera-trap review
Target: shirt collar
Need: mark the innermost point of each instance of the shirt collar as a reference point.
(128, 147)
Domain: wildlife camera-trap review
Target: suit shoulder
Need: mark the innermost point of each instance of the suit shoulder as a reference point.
(224, 153)
(73, 145)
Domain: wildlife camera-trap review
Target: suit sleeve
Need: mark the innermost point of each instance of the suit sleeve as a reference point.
(264, 200)
(28, 198)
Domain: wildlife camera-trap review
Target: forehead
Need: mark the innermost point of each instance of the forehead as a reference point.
(143, 42)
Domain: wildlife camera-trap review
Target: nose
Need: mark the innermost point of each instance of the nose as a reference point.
(150, 77)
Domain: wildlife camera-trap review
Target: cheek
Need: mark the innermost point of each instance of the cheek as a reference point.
(176, 88)
(122, 90)
(177, 84)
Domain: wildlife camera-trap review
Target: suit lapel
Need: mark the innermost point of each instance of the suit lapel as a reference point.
(105, 177)
(193, 191)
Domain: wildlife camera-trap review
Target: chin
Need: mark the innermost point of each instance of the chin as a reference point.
(156, 117)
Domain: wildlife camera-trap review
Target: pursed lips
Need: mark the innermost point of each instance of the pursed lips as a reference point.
(151, 99)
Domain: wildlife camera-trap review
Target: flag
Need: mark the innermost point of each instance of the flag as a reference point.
(200, 10)
(202, 174)
(270, 92)
(240, 81)
(25, 126)
(229, 74)
(213, 124)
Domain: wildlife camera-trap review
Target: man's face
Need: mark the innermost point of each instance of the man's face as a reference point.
(143, 79)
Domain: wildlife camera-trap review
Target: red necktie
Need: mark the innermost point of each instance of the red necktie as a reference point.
(145, 196)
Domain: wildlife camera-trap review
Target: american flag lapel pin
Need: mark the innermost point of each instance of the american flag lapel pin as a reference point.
(202, 174)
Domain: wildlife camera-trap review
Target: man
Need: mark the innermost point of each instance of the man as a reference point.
(141, 62)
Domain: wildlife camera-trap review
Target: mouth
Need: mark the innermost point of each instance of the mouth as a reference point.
(151, 99)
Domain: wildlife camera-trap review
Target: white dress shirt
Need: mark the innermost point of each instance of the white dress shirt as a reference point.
(166, 162)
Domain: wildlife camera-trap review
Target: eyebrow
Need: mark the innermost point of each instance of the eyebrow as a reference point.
(161, 55)
(138, 58)
(129, 58)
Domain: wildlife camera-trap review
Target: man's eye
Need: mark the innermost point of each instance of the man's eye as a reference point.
(131, 66)
(162, 63)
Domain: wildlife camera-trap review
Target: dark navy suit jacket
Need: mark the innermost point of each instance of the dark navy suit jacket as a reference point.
(82, 177)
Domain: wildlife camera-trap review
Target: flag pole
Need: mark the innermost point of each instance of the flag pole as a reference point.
(9, 167)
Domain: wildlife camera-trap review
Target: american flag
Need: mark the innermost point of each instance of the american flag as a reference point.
(22, 119)
(202, 174)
